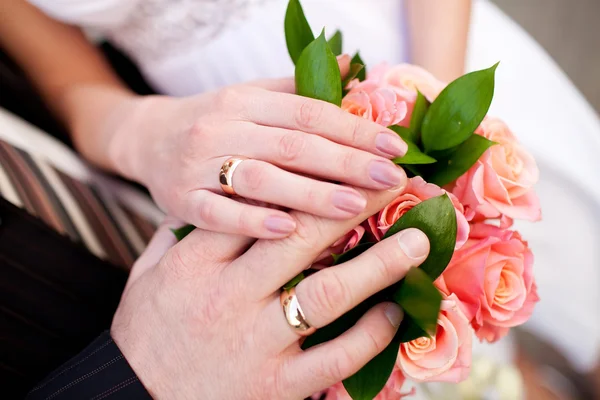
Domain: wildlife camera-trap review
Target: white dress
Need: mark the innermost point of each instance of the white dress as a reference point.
(190, 46)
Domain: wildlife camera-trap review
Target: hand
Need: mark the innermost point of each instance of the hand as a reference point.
(176, 148)
(205, 320)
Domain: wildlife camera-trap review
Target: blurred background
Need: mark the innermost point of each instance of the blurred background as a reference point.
(548, 91)
(568, 30)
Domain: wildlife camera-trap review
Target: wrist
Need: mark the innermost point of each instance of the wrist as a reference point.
(130, 136)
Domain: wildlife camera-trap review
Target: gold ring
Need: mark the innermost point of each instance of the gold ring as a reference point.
(293, 313)
(226, 173)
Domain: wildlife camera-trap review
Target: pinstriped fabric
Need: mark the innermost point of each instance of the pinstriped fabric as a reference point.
(83, 212)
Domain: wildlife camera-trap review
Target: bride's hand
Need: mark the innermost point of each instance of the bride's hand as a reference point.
(176, 147)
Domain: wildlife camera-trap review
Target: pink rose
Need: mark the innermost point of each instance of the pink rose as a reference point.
(492, 274)
(403, 80)
(417, 190)
(501, 181)
(446, 357)
(375, 103)
(391, 391)
(342, 245)
(407, 79)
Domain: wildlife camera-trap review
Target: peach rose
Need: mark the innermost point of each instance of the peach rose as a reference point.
(375, 103)
(407, 78)
(404, 80)
(391, 391)
(492, 274)
(501, 181)
(417, 190)
(446, 357)
(342, 245)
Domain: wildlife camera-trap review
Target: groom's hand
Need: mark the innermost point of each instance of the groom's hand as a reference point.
(205, 320)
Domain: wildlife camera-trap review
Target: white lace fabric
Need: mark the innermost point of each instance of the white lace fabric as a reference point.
(153, 29)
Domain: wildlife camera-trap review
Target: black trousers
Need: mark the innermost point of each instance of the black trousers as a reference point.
(55, 298)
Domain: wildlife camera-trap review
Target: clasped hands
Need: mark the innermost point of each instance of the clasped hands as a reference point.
(202, 318)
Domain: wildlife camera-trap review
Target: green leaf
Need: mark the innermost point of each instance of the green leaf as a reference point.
(355, 69)
(294, 282)
(409, 330)
(335, 43)
(318, 73)
(419, 299)
(353, 252)
(436, 218)
(182, 232)
(458, 110)
(298, 34)
(370, 379)
(342, 324)
(418, 114)
(414, 154)
(450, 168)
(362, 75)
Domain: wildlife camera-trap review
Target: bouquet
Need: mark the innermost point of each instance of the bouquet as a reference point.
(469, 178)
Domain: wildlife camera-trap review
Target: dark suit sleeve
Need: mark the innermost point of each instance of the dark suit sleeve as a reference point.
(98, 372)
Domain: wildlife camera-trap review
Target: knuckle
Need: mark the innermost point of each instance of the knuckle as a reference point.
(348, 163)
(198, 131)
(207, 212)
(210, 310)
(327, 295)
(291, 145)
(307, 232)
(373, 344)
(385, 266)
(227, 97)
(309, 114)
(244, 223)
(178, 263)
(252, 175)
(338, 366)
(356, 130)
(276, 383)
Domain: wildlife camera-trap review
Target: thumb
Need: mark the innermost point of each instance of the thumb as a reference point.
(162, 241)
(288, 85)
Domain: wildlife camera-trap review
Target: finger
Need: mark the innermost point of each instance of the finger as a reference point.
(330, 293)
(288, 85)
(211, 211)
(268, 265)
(325, 365)
(313, 155)
(259, 180)
(289, 111)
(202, 250)
(162, 240)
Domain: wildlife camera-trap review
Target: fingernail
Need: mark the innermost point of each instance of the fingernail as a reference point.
(386, 173)
(278, 224)
(349, 201)
(391, 144)
(413, 243)
(342, 57)
(394, 314)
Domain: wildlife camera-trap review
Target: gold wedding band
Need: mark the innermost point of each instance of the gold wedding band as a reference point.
(293, 313)
(226, 173)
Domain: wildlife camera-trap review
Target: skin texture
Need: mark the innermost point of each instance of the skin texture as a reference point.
(175, 146)
(207, 312)
(438, 31)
